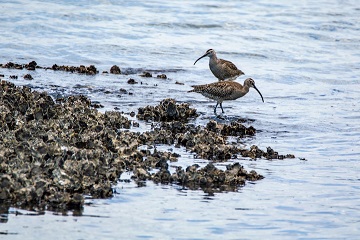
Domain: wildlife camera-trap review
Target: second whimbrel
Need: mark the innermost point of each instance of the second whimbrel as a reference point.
(225, 90)
(222, 69)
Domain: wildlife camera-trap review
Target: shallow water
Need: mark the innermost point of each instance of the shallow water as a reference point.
(305, 59)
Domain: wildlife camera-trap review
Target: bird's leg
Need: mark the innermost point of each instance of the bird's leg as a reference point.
(221, 107)
(215, 108)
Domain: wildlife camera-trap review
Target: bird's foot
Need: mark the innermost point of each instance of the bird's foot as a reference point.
(221, 116)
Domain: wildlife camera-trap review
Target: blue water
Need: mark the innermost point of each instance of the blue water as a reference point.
(305, 59)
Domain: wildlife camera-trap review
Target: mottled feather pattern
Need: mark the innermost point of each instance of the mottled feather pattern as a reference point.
(225, 90)
(217, 90)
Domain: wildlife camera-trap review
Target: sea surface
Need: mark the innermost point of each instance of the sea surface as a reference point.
(305, 59)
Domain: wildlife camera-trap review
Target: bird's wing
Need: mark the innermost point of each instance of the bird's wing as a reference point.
(219, 89)
(228, 64)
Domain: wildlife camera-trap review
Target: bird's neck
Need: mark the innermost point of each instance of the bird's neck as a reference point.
(213, 58)
(242, 92)
(246, 88)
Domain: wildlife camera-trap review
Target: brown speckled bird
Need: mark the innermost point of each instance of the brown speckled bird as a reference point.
(222, 69)
(225, 90)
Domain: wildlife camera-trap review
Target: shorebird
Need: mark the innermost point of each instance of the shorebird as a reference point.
(222, 69)
(225, 90)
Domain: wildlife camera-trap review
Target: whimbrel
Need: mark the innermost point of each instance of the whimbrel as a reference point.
(225, 90)
(222, 69)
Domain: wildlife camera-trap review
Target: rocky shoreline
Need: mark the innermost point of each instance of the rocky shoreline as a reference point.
(53, 152)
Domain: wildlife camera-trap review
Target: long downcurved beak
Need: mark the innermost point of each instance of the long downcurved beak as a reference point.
(201, 57)
(259, 93)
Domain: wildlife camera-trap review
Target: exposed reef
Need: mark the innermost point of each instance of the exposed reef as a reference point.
(56, 151)
(82, 69)
(167, 110)
(90, 70)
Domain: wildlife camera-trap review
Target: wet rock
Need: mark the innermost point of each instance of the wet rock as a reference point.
(167, 110)
(146, 74)
(209, 142)
(31, 65)
(162, 76)
(90, 70)
(122, 90)
(115, 70)
(55, 152)
(13, 77)
(101, 190)
(210, 178)
(132, 81)
(233, 129)
(140, 174)
(76, 201)
(12, 65)
(271, 154)
(135, 124)
(8, 65)
(162, 176)
(28, 77)
(207, 145)
(97, 105)
(255, 152)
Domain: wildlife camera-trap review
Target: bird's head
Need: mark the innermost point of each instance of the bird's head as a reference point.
(249, 82)
(209, 53)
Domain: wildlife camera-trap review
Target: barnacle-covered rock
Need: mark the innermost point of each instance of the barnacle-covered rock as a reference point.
(162, 76)
(235, 128)
(210, 178)
(255, 152)
(146, 74)
(55, 152)
(90, 70)
(29, 66)
(28, 77)
(167, 110)
(115, 69)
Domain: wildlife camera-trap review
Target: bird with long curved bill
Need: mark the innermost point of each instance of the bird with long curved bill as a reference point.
(222, 69)
(225, 90)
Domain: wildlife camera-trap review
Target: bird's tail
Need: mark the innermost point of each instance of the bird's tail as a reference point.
(197, 88)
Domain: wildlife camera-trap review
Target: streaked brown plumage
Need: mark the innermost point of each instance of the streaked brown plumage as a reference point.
(222, 69)
(225, 90)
